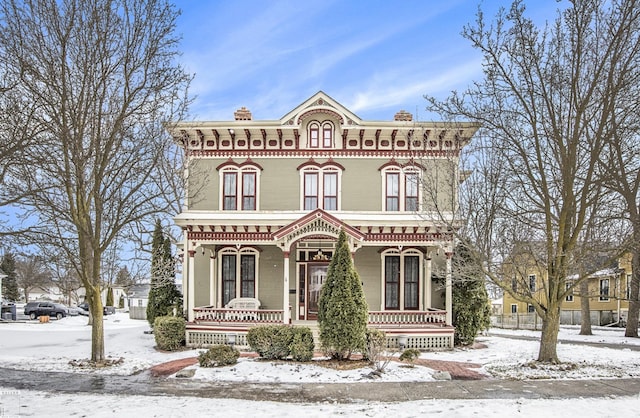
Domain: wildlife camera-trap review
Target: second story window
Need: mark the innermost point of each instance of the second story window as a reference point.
(330, 191)
(393, 192)
(239, 187)
(532, 282)
(320, 186)
(401, 190)
(310, 191)
(230, 191)
(569, 297)
(249, 191)
(411, 191)
(604, 290)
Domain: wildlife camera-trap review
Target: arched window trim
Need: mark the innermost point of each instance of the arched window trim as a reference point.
(407, 286)
(246, 192)
(397, 189)
(325, 190)
(239, 279)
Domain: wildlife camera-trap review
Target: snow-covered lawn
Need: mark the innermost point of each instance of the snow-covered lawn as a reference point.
(51, 346)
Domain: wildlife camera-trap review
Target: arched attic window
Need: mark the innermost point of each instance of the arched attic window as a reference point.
(320, 134)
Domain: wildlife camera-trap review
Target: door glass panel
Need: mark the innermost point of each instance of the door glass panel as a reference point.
(317, 274)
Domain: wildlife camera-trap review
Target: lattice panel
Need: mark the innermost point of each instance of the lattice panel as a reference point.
(208, 339)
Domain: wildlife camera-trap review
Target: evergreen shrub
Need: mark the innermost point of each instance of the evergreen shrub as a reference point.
(410, 355)
(342, 308)
(278, 342)
(169, 332)
(302, 344)
(218, 356)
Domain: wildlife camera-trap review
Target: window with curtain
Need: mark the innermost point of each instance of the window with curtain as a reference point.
(392, 282)
(411, 281)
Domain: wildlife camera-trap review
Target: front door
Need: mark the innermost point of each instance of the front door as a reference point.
(316, 273)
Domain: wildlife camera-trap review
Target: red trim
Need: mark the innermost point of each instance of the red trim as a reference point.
(230, 163)
(312, 163)
(405, 238)
(290, 151)
(316, 111)
(394, 163)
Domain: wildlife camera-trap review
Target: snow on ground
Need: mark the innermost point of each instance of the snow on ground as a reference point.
(51, 346)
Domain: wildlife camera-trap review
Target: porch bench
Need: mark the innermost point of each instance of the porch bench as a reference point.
(250, 304)
(243, 303)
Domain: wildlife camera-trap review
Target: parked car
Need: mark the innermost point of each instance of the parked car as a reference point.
(36, 309)
(73, 310)
(83, 309)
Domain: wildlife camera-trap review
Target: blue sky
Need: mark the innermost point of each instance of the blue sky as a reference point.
(375, 57)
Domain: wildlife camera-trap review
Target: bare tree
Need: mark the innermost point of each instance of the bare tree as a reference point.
(621, 163)
(66, 279)
(100, 78)
(32, 272)
(546, 104)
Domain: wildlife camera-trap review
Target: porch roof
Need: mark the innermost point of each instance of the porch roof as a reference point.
(314, 216)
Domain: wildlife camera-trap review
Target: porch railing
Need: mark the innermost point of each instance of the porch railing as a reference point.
(237, 316)
(261, 316)
(417, 318)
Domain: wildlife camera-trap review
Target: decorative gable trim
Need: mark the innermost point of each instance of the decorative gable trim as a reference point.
(317, 221)
(320, 103)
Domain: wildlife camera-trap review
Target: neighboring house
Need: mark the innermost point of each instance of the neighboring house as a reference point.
(52, 293)
(608, 293)
(496, 306)
(138, 296)
(118, 291)
(266, 200)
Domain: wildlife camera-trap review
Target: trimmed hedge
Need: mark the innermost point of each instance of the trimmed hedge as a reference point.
(218, 355)
(169, 332)
(302, 345)
(278, 342)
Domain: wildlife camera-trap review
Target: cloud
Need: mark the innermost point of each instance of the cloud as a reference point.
(396, 90)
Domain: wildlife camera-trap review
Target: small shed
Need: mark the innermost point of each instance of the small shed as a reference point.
(138, 296)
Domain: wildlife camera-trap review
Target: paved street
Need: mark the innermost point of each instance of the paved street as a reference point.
(144, 384)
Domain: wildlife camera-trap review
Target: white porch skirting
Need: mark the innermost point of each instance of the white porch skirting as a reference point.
(424, 330)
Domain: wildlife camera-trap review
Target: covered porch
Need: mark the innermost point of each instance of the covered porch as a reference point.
(405, 273)
(423, 330)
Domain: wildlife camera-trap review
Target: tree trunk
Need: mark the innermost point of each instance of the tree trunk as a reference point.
(549, 338)
(634, 294)
(97, 327)
(585, 311)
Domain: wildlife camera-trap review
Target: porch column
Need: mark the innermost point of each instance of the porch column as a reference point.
(191, 280)
(285, 291)
(212, 280)
(449, 292)
(427, 282)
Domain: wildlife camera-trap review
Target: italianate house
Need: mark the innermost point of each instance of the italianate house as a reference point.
(266, 200)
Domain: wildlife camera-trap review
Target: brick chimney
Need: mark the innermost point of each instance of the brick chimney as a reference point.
(242, 114)
(403, 116)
